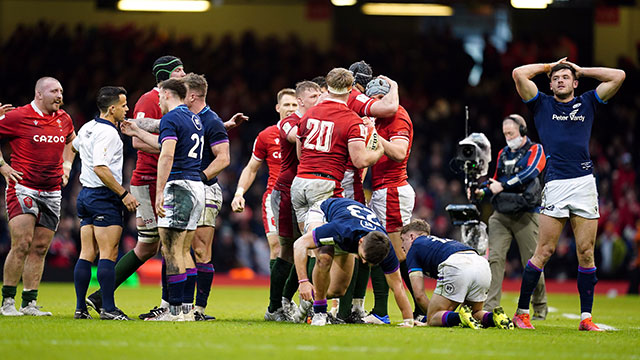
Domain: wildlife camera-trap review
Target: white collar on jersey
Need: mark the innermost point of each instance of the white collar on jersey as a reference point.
(336, 100)
(35, 108)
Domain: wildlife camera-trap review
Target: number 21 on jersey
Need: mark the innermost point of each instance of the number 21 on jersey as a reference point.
(199, 142)
(319, 137)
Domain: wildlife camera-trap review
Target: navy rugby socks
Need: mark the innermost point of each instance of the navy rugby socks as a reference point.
(81, 279)
(175, 285)
(189, 289)
(586, 284)
(204, 279)
(107, 280)
(450, 318)
(530, 278)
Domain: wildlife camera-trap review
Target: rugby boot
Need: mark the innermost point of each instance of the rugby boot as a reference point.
(522, 321)
(95, 302)
(82, 314)
(200, 316)
(467, 319)
(372, 318)
(320, 319)
(153, 313)
(501, 320)
(116, 314)
(9, 308)
(588, 325)
(34, 310)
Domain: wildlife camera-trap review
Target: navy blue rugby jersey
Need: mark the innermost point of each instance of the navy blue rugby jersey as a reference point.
(214, 134)
(347, 222)
(428, 252)
(565, 130)
(186, 128)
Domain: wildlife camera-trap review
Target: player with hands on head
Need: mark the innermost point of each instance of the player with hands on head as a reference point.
(564, 123)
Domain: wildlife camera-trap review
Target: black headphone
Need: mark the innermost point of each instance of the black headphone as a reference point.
(522, 126)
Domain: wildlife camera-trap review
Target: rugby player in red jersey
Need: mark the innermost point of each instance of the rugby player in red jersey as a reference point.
(40, 136)
(329, 135)
(283, 285)
(352, 304)
(393, 197)
(266, 148)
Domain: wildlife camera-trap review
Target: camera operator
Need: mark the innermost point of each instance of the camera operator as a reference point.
(515, 192)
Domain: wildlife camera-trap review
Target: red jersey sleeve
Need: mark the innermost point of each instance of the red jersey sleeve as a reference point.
(360, 103)
(260, 147)
(9, 123)
(401, 127)
(357, 130)
(68, 124)
(147, 107)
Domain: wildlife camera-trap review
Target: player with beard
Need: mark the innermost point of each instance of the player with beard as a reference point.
(40, 135)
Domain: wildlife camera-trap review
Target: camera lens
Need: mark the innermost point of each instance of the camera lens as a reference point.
(467, 151)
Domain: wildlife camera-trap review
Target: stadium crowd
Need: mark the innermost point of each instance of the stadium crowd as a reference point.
(245, 74)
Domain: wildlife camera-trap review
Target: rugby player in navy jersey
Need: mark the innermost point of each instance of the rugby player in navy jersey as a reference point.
(564, 123)
(179, 190)
(463, 279)
(215, 158)
(339, 227)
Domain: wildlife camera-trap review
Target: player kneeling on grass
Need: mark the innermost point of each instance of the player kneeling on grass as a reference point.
(463, 279)
(339, 228)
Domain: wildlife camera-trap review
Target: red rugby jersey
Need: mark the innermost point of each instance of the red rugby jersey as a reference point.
(288, 156)
(148, 106)
(267, 146)
(386, 172)
(37, 141)
(360, 103)
(325, 132)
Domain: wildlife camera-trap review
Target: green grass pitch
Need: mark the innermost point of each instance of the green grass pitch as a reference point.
(240, 333)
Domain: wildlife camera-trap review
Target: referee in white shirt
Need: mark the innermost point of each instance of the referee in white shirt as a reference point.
(102, 201)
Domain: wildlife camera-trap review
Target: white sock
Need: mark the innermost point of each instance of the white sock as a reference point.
(585, 315)
(357, 304)
(164, 304)
(199, 309)
(186, 308)
(522, 311)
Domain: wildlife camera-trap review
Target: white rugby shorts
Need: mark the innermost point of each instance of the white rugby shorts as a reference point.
(464, 276)
(183, 203)
(212, 205)
(306, 192)
(578, 196)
